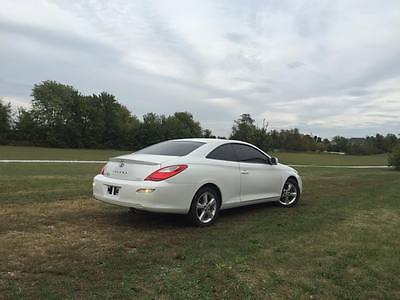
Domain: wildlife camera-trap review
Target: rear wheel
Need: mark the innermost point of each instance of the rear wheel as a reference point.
(205, 207)
(290, 193)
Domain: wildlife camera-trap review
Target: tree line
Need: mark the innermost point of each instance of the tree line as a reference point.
(61, 116)
(246, 129)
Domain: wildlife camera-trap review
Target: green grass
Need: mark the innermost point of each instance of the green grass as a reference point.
(340, 242)
(18, 152)
(33, 182)
(324, 159)
(306, 158)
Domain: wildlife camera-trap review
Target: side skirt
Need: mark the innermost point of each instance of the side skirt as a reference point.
(250, 202)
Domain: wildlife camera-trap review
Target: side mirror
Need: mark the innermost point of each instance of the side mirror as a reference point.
(274, 160)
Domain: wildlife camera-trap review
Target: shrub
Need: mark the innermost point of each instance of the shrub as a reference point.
(394, 157)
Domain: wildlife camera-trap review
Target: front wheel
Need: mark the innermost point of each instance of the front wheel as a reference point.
(205, 207)
(290, 193)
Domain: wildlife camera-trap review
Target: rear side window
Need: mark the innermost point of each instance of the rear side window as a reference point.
(249, 154)
(223, 152)
(171, 148)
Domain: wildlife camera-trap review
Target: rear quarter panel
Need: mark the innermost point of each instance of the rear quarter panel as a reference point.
(224, 174)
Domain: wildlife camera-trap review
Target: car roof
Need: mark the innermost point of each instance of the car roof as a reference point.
(211, 144)
(211, 141)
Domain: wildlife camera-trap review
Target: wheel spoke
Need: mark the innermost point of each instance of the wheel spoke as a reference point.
(200, 205)
(211, 202)
(202, 215)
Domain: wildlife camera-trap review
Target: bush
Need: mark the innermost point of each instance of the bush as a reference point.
(394, 158)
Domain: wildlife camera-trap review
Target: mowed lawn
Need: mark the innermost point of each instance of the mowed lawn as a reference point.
(18, 152)
(341, 241)
(300, 158)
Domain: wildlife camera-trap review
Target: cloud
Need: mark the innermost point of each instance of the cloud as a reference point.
(226, 103)
(295, 64)
(328, 67)
(236, 37)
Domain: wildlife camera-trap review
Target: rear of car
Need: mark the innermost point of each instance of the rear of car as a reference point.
(148, 179)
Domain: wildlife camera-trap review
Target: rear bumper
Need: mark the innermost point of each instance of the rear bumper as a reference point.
(166, 197)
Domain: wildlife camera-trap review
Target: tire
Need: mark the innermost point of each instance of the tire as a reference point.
(205, 206)
(290, 193)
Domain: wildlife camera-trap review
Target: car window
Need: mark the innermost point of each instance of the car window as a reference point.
(171, 148)
(223, 152)
(246, 153)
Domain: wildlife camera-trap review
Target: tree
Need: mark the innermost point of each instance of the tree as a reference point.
(150, 130)
(339, 144)
(206, 133)
(5, 121)
(181, 125)
(390, 141)
(116, 122)
(244, 129)
(26, 129)
(394, 158)
(56, 110)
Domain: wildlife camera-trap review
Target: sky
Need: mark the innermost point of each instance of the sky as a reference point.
(326, 67)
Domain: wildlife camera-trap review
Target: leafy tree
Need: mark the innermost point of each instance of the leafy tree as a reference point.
(244, 129)
(181, 125)
(206, 133)
(390, 141)
(116, 122)
(56, 112)
(394, 158)
(339, 144)
(5, 122)
(26, 129)
(150, 130)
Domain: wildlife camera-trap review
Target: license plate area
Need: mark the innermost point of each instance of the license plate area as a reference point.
(113, 190)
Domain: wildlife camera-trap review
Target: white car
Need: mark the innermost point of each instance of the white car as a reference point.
(197, 177)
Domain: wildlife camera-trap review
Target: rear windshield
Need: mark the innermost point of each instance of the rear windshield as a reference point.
(171, 148)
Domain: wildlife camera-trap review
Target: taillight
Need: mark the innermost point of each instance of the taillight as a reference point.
(102, 170)
(166, 172)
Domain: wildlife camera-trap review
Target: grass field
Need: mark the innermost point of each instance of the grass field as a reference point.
(302, 158)
(341, 241)
(324, 159)
(17, 152)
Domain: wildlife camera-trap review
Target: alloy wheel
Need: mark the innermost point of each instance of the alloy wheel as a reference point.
(289, 194)
(206, 207)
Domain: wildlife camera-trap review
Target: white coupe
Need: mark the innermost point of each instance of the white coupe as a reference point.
(198, 177)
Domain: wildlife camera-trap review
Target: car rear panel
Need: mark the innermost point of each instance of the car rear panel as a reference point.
(124, 175)
(134, 167)
(165, 196)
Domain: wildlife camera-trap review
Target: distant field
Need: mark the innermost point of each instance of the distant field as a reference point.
(18, 152)
(341, 242)
(323, 159)
(13, 152)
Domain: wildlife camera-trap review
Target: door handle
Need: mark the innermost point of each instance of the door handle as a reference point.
(244, 171)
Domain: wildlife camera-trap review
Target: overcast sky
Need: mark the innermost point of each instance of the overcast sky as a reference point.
(326, 67)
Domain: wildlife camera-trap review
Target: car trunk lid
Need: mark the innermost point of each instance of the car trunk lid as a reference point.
(135, 167)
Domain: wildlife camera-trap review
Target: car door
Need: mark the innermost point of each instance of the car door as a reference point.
(259, 180)
(225, 169)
